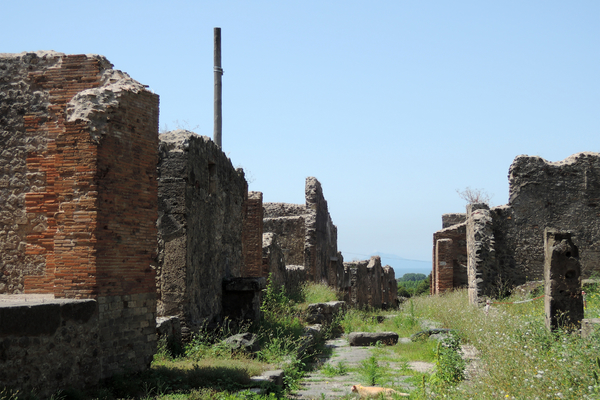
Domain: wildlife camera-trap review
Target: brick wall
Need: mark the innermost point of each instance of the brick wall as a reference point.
(252, 237)
(449, 256)
(87, 205)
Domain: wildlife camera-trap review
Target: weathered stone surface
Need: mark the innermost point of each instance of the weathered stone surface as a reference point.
(371, 338)
(201, 214)
(274, 377)
(324, 313)
(77, 213)
(169, 327)
(482, 268)
(589, 326)
(246, 342)
(509, 248)
(53, 344)
(252, 237)
(436, 333)
(367, 282)
(562, 275)
(274, 263)
(452, 219)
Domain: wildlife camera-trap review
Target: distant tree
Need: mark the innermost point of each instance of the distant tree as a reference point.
(412, 277)
(413, 285)
(472, 196)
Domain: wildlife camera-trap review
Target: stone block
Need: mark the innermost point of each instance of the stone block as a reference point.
(589, 326)
(371, 338)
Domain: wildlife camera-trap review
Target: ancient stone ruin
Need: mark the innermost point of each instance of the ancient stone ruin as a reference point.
(505, 244)
(308, 241)
(563, 301)
(78, 208)
(105, 226)
(201, 203)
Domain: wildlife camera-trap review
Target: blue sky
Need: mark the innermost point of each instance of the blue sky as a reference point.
(392, 105)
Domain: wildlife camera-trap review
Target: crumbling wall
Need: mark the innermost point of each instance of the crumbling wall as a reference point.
(367, 281)
(449, 255)
(78, 175)
(482, 268)
(389, 288)
(288, 221)
(506, 244)
(306, 233)
(451, 219)
(201, 217)
(321, 235)
(273, 261)
(564, 195)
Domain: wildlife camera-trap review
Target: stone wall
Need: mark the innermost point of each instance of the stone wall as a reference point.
(505, 244)
(389, 288)
(449, 255)
(451, 219)
(201, 218)
(320, 248)
(306, 233)
(288, 221)
(483, 271)
(48, 344)
(78, 194)
(564, 195)
(371, 285)
(273, 261)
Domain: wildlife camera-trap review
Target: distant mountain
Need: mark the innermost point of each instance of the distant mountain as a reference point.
(403, 265)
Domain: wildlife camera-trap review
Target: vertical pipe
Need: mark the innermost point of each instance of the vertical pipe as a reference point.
(218, 127)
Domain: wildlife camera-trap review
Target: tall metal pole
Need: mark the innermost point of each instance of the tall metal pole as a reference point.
(218, 129)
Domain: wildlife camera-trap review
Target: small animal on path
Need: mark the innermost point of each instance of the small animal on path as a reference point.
(366, 392)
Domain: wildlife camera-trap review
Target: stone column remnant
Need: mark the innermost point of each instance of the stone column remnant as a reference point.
(562, 273)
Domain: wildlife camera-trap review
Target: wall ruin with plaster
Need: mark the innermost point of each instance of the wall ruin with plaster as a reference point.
(78, 206)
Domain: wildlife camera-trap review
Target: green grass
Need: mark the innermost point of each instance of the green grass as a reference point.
(520, 358)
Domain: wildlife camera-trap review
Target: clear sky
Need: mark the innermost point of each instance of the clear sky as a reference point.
(392, 105)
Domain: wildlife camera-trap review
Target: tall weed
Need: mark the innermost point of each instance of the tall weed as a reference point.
(520, 358)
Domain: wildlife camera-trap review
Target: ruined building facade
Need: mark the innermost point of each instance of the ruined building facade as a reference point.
(104, 225)
(505, 244)
(307, 238)
(77, 220)
(306, 233)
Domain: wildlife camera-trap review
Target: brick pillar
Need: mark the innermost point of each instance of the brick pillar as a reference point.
(444, 264)
(562, 274)
(252, 236)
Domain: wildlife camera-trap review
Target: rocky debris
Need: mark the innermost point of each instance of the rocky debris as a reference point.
(274, 377)
(426, 334)
(324, 313)
(371, 338)
(246, 342)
